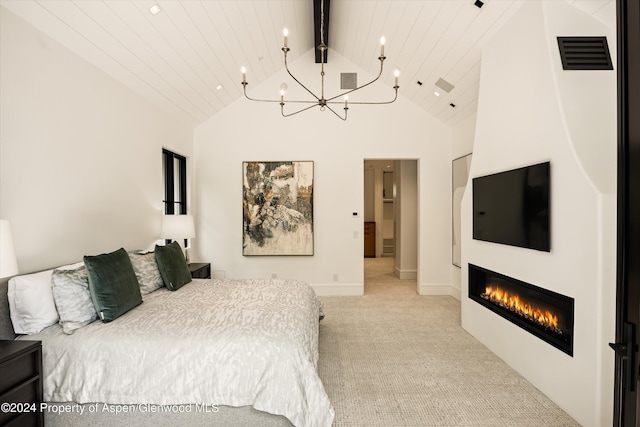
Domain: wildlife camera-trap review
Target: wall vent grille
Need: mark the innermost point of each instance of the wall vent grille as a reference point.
(585, 53)
(348, 80)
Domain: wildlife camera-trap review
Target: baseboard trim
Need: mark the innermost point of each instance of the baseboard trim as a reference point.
(356, 290)
(343, 290)
(440, 289)
(405, 274)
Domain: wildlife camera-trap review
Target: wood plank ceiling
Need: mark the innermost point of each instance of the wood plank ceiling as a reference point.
(187, 57)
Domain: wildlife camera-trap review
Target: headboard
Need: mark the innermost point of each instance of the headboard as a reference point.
(6, 328)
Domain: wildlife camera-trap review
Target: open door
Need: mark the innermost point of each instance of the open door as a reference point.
(628, 263)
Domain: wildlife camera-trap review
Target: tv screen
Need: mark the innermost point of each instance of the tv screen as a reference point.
(512, 207)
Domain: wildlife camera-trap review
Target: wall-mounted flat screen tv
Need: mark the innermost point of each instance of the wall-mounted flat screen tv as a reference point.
(512, 207)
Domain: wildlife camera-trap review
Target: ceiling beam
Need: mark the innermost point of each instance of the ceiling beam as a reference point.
(317, 23)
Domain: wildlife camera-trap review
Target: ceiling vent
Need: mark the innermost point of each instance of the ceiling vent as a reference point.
(444, 85)
(348, 80)
(585, 53)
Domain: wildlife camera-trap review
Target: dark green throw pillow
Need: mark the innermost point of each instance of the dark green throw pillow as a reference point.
(172, 265)
(113, 284)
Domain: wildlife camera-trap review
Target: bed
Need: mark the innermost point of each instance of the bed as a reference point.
(213, 352)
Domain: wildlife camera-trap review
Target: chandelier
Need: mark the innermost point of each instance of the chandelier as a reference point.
(320, 100)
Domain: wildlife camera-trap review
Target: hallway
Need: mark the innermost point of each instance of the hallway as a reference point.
(379, 278)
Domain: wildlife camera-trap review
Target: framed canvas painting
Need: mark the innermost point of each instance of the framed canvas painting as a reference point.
(277, 208)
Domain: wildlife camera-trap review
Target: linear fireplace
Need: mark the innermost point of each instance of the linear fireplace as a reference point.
(546, 314)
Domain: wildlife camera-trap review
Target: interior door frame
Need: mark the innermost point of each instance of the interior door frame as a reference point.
(418, 218)
(628, 228)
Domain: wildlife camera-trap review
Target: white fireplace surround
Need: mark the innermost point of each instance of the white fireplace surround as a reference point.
(528, 113)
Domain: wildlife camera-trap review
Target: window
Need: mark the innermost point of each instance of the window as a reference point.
(174, 175)
(174, 170)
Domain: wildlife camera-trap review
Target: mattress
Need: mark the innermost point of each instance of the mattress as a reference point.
(211, 342)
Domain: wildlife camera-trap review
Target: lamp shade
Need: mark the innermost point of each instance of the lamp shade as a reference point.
(177, 227)
(8, 263)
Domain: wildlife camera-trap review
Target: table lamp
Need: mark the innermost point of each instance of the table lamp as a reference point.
(8, 263)
(177, 227)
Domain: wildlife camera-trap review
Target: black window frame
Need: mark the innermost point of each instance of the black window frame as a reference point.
(169, 177)
(169, 174)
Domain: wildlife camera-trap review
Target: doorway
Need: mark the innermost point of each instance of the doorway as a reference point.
(391, 221)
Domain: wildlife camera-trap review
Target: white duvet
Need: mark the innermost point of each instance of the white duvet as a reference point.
(212, 342)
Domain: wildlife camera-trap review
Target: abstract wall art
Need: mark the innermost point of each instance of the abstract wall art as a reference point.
(277, 208)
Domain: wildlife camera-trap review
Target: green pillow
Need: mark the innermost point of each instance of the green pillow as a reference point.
(113, 284)
(172, 265)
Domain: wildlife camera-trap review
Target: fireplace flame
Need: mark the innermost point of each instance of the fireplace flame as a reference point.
(513, 302)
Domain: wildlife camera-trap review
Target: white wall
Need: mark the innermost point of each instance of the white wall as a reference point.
(462, 137)
(528, 112)
(80, 154)
(406, 220)
(256, 131)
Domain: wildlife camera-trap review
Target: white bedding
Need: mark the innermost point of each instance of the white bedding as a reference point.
(235, 343)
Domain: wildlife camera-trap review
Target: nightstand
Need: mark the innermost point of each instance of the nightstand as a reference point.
(21, 389)
(200, 270)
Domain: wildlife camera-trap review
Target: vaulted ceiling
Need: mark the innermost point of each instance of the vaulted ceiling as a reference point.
(187, 57)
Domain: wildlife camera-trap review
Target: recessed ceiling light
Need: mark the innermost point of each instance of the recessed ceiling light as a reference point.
(218, 87)
(155, 9)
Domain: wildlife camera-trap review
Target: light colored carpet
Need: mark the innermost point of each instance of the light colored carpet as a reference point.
(394, 358)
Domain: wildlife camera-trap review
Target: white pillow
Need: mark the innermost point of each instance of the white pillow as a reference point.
(147, 272)
(73, 298)
(31, 302)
